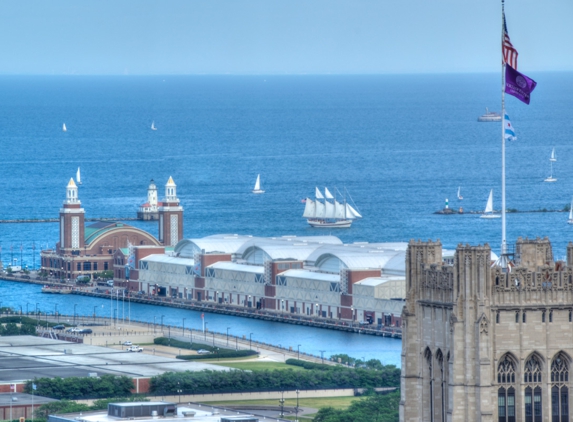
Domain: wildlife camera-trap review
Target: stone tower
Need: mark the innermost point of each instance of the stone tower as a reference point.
(170, 216)
(72, 217)
(481, 343)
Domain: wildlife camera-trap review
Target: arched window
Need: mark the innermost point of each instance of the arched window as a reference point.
(506, 393)
(532, 379)
(559, 389)
(441, 387)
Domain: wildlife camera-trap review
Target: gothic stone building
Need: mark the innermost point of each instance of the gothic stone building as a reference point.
(484, 344)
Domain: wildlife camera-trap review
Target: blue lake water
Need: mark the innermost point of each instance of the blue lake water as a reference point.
(399, 144)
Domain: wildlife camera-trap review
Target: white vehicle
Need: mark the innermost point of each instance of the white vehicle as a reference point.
(110, 283)
(127, 343)
(134, 349)
(203, 352)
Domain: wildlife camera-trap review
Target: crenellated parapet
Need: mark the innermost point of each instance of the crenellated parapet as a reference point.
(546, 286)
(437, 283)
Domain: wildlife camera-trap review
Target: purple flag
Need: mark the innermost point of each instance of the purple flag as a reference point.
(518, 85)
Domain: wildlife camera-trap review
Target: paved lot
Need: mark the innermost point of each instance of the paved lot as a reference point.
(25, 357)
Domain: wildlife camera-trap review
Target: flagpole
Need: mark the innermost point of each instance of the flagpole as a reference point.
(503, 206)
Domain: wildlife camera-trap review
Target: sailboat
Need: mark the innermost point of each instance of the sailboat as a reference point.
(460, 197)
(78, 177)
(257, 188)
(551, 160)
(570, 221)
(64, 128)
(153, 126)
(329, 214)
(488, 212)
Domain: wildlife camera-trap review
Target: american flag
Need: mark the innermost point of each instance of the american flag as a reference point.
(509, 52)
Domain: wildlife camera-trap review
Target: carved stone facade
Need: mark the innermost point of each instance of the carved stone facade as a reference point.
(484, 344)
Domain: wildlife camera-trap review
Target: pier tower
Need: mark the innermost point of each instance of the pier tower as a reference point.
(72, 217)
(481, 343)
(170, 216)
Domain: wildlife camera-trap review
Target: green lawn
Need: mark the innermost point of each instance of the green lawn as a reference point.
(250, 366)
(315, 402)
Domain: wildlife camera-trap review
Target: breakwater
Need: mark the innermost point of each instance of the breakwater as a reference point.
(55, 220)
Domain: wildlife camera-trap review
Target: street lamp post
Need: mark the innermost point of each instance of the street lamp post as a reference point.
(37, 308)
(179, 391)
(184, 326)
(205, 331)
(282, 403)
(154, 323)
(296, 408)
(75, 304)
(298, 351)
(27, 312)
(250, 340)
(95, 312)
(213, 334)
(322, 355)
(228, 336)
(162, 322)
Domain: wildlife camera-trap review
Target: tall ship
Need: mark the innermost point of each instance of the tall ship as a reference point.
(327, 211)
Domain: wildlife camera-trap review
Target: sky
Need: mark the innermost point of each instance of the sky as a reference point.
(139, 37)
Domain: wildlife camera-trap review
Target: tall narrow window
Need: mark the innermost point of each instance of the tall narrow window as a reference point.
(524, 317)
(517, 317)
(497, 317)
(506, 392)
(429, 386)
(532, 377)
(550, 316)
(543, 316)
(559, 389)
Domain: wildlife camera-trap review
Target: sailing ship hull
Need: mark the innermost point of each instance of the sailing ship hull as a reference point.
(550, 179)
(258, 191)
(329, 224)
(570, 221)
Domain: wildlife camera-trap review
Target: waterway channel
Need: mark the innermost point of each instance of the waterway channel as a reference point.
(311, 340)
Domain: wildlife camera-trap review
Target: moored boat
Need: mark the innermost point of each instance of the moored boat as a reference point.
(55, 290)
(490, 116)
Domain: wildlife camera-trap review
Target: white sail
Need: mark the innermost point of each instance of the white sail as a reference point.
(460, 193)
(329, 211)
(257, 188)
(327, 194)
(553, 156)
(309, 208)
(351, 212)
(339, 210)
(64, 128)
(318, 194)
(78, 177)
(571, 212)
(489, 205)
(153, 126)
(319, 210)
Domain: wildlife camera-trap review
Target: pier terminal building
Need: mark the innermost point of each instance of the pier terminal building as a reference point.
(316, 276)
(486, 343)
(83, 249)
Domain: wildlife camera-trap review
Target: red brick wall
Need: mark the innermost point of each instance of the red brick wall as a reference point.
(355, 276)
(210, 259)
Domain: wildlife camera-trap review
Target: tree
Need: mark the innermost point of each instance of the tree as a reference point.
(62, 406)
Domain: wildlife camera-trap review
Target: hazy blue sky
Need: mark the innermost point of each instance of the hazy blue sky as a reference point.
(279, 36)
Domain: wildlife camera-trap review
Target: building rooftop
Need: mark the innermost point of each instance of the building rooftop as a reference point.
(26, 357)
(192, 412)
